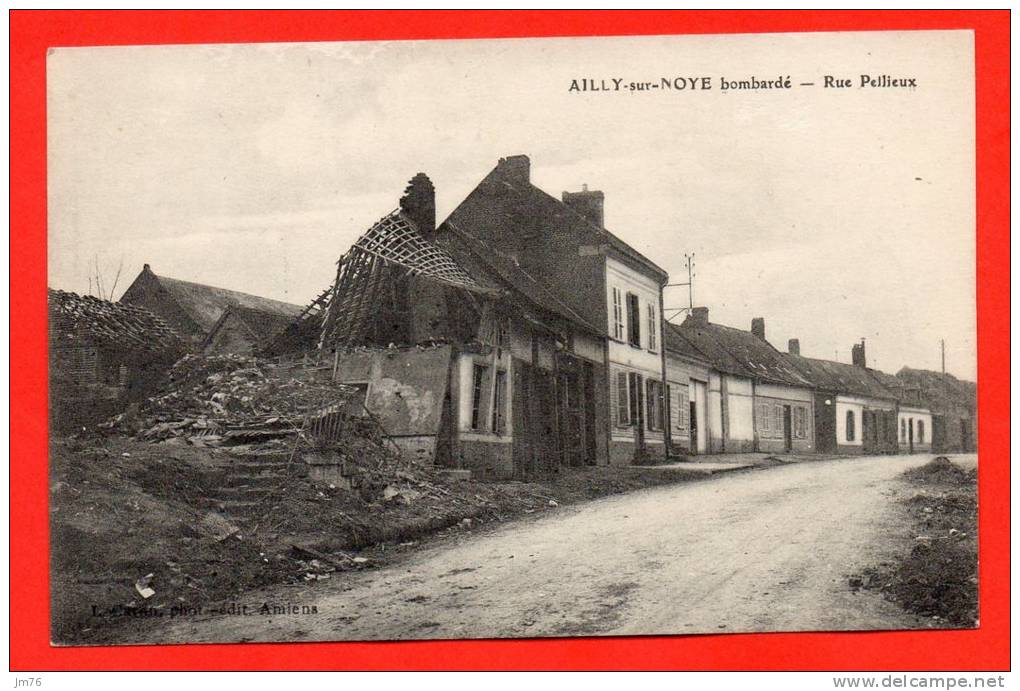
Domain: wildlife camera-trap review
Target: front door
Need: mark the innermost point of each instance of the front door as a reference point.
(787, 428)
(694, 427)
(637, 413)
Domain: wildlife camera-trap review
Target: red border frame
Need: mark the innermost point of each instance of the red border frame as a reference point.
(986, 648)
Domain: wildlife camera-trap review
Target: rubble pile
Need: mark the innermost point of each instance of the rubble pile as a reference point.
(229, 400)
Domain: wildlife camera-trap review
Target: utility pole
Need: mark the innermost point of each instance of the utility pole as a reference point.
(677, 311)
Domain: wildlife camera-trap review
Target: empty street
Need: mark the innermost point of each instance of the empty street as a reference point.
(760, 550)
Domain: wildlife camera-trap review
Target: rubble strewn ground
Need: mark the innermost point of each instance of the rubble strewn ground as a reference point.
(128, 516)
(938, 576)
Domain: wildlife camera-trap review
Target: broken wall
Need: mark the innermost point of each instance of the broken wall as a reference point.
(405, 392)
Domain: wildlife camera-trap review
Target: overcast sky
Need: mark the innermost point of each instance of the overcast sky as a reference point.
(834, 213)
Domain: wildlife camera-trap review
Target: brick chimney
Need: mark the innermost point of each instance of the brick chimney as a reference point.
(793, 346)
(857, 354)
(515, 169)
(758, 327)
(419, 203)
(588, 203)
(699, 315)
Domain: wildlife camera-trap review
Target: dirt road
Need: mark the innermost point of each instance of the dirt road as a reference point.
(763, 550)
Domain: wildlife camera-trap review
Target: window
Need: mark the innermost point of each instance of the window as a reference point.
(499, 404)
(903, 430)
(476, 397)
(622, 400)
(633, 320)
(764, 419)
(800, 422)
(617, 314)
(652, 330)
(680, 407)
(654, 405)
(635, 397)
(851, 433)
(920, 431)
(777, 419)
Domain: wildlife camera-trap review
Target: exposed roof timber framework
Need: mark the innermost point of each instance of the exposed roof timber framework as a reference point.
(366, 270)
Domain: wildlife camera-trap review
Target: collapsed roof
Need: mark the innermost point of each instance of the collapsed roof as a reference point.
(80, 320)
(390, 249)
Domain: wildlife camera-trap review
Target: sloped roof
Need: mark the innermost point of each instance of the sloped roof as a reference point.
(484, 260)
(738, 352)
(87, 320)
(205, 304)
(533, 213)
(841, 377)
(262, 325)
(941, 392)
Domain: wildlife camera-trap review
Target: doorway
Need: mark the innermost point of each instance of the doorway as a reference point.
(637, 413)
(694, 427)
(787, 429)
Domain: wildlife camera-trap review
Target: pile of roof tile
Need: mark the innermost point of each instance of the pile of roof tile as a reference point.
(229, 400)
(87, 319)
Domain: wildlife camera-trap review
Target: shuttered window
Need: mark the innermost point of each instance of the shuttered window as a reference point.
(618, 328)
(477, 419)
(633, 320)
(652, 345)
(622, 400)
(499, 403)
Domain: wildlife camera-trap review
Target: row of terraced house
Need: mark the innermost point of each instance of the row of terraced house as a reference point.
(520, 335)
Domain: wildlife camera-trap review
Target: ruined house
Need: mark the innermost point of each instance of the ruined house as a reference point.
(462, 356)
(103, 355)
(193, 310)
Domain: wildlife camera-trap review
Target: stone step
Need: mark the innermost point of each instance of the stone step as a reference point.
(243, 492)
(255, 480)
(240, 508)
(455, 474)
(260, 466)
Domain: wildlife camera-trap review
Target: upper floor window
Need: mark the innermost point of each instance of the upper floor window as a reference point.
(652, 330)
(618, 328)
(633, 320)
(851, 433)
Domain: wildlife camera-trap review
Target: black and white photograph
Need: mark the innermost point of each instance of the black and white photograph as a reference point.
(512, 338)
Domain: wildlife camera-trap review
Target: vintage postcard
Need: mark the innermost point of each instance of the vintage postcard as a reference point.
(512, 338)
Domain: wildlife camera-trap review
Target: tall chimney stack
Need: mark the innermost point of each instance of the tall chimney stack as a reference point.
(515, 169)
(699, 315)
(793, 347)
(588, 203)
(857, 354)
(758, 327)
(419, 203)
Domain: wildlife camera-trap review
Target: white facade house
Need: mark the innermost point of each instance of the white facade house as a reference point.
(636, 390)
(914, 430)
